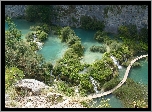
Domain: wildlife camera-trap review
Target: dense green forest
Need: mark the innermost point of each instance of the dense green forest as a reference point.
(21, 60)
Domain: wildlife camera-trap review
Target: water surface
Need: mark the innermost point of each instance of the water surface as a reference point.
(53, 50)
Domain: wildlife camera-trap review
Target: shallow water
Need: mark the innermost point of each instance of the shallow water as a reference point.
(53, 49)
(114, 102)
(88, 41)
(22, 25)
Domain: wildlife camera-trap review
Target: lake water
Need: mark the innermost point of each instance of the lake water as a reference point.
(88, 41)
(53, 50)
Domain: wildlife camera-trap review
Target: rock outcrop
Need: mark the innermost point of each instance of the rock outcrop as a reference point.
(30, 85)
(15, 10)
(113, 16)
(38, 98)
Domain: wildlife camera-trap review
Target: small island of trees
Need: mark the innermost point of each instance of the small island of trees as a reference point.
(21, 57)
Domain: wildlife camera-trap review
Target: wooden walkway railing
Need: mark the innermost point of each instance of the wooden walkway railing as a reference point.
(120, 84)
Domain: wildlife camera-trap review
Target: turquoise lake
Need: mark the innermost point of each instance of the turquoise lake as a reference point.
(53, 50)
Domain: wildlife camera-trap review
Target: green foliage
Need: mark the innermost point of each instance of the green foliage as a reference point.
(100, 36)
(74, 20)
(111, 84)
(56, 29)
(78, 48)
(34, 46)
(143, 35)
(66, 33)
(73, 40)
(41, 33)
(91, 23)
(100, 49)
(41, 26)
(42, 36)
(12, 35)
(136, 64)
(101, 70)
(85, 83)
(104, 103)
(120, 51)
(123, 31)
(143, 46)
(130, 92)
(69, 66)
(115, 45)
(39, 13)
(12, 75)
(63, 87)
(140, 104)
(136, 41)
(29, 36)
(21, 55)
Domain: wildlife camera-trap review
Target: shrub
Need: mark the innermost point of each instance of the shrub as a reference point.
(85, 83)
(131, 92)
(101, 70)
(63, 87)
(100, 36)
(111, 84)
(78, 48)
(56, 30)
(39, 13)
(100, 49)
(19, 54)
(41, 26)
(12, 75)
(104, 103)
(34, 46)
(29, 36)
(65, 34)
(91, 23)
(42, 36)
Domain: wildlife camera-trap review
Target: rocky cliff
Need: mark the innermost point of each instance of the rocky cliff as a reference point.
(112, 15)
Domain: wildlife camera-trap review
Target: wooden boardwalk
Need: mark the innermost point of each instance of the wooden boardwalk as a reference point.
(120, 84)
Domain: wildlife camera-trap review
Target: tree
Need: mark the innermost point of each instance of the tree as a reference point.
(111, 84)
(100, 35)
(131, 92)
(12, 75)
(66, 33)
(143, 35)
(21, 55)
(39, 13)
(91, 23)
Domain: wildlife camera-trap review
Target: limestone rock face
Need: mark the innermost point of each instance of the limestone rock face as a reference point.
(113, 16)
(39, 98)
(7, 97)
(15, 10)
(30, 85)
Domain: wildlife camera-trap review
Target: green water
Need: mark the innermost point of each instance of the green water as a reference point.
(22, 25)
(88, 41)
(53, 50)
(114, 102)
